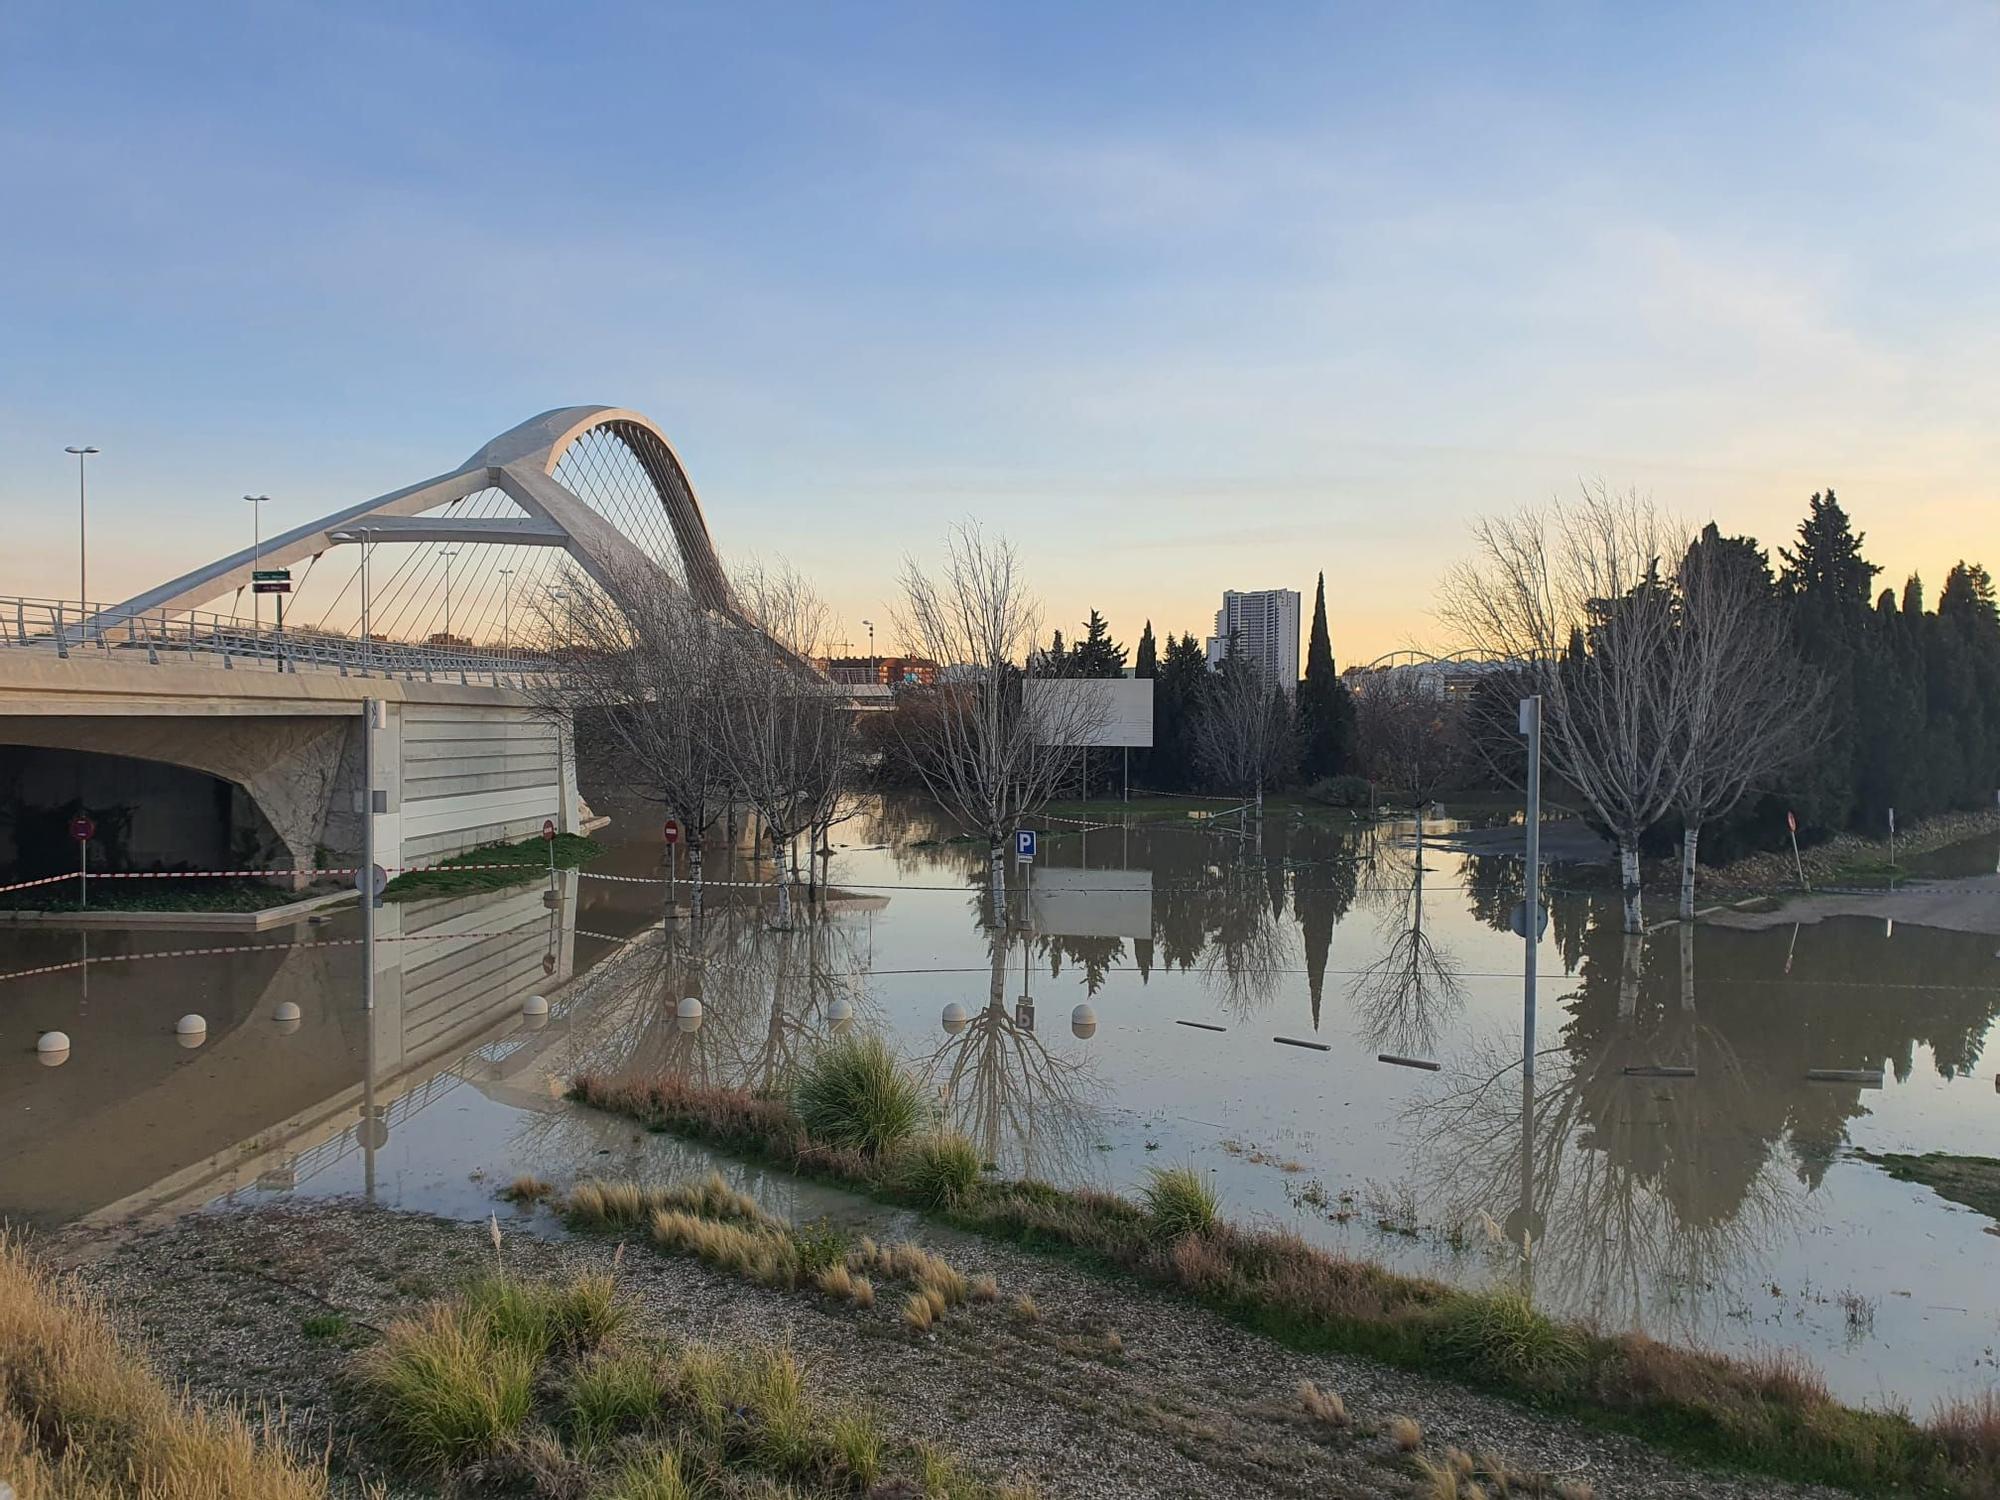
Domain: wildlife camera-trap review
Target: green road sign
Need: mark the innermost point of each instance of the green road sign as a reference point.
(271, 575)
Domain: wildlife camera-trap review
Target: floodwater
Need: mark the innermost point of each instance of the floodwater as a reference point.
(1729, 1209)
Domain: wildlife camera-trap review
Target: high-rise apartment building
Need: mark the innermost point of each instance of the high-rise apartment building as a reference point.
(1266, 626)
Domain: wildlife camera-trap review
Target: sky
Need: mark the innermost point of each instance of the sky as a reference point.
(1178, 297)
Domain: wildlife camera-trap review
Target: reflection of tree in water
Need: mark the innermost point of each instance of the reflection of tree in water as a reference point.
(1404, 997)
(1660, 1195)
(1095, 956)
(1028, 1108)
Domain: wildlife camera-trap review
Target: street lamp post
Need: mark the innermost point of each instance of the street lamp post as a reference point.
(82, 549)
(447, 553)
(506, 611)
(256, 503)
(872, 669)
(561, 596)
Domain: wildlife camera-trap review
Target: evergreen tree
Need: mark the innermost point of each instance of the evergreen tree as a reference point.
(1826, 583)
(1325, 707)
(1145, 661)
(1177, 693)
(1913, 596)
(1097, 655)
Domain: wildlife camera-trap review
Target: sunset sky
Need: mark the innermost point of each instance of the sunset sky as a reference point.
(1181, 298)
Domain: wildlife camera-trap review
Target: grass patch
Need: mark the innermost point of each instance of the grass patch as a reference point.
(500, 1390)
(1180, 1202)
(83, 1418)
(332, 1325)
(854, 1095)
(940, 1170)
(519, 864)
(166, 894)
(1971, 1180)
(1770, 1416)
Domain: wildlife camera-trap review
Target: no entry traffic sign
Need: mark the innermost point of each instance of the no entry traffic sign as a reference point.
(549, 829)
(671, 831)
(82, 829)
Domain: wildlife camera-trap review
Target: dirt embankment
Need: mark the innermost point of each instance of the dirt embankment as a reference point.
(1107, 1392)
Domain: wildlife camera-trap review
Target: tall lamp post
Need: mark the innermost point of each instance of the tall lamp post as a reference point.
(447, 553)
(256, 503)
(872, 669)
(82, 549)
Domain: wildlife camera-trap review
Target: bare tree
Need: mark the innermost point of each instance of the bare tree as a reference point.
(787, 732)
(989, 756)
(639, 683)
(1573, 593)
(1410, 735)
(1754, 708)
(1242, 735)
(1403, 997)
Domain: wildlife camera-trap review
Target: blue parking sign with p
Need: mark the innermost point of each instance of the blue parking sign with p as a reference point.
(1024, 844)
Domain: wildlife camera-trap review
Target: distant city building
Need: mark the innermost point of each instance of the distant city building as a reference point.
(886, 671)
(1266, 626)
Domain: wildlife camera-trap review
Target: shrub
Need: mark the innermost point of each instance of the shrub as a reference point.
(611, 1394)
(1179, 1201)
(1970, 1429)
(445, 1388)
(939, 1171)
(857, 1443)
(1341, 791)
(537, 1317)
(1502, 1337)
(657, 1476)
(853, 1093)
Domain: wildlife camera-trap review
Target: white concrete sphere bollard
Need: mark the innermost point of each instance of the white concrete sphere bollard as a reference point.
(535, 1005)
(286, 1017)
(52, 1048)
(841, 1013)
(1083, 1022)
(688, 1013)
(955, 1019)
(191, 1031)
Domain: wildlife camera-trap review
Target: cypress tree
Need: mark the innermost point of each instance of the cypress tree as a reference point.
(1325, 708)
(1145, 661)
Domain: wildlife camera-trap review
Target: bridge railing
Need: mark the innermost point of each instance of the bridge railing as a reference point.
(67, 627)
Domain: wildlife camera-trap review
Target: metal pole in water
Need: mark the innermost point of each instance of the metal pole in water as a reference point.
(369, 708)
(1531, 727)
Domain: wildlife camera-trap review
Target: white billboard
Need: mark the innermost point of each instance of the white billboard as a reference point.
(1066, 902)
(1092, 711)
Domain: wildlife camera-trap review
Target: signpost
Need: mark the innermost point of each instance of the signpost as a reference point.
(549, 838)
(1024, 845)
(83, 831)
(1792, 822)
(274, 581)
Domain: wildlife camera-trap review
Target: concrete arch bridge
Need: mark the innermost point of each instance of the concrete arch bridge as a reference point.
(196, 730)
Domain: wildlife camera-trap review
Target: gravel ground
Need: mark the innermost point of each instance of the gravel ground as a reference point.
(1179, 1403)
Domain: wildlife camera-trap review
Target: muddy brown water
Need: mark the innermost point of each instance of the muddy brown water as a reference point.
(1728, 1208)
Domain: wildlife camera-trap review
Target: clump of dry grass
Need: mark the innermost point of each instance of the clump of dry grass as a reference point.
(764, 1257)
(1574, 1489)
(624, 1204)
(1405, 1433)
(836, 1281)
(445, 1386)
(1322, 1406)
(909, 1262)
(985, 1289)
(1025, 1310)
(1970, 1429)
(527, 1188)
(919, 1312)
(82, 1418)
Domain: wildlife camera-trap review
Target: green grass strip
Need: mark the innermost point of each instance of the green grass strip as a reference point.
(522, 863)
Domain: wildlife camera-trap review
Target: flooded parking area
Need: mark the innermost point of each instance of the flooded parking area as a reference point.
(1675, 1166)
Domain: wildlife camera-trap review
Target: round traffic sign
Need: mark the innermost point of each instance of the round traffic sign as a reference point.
(82, 829)
(371, 880)
(671, 831)
(549, 829)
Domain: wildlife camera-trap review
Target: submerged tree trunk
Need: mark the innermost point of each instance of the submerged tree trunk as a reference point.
(694, 877)
(1628, 976)
(1690, 840)
(1687, 968)
(999, 881)
(1628, 881)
